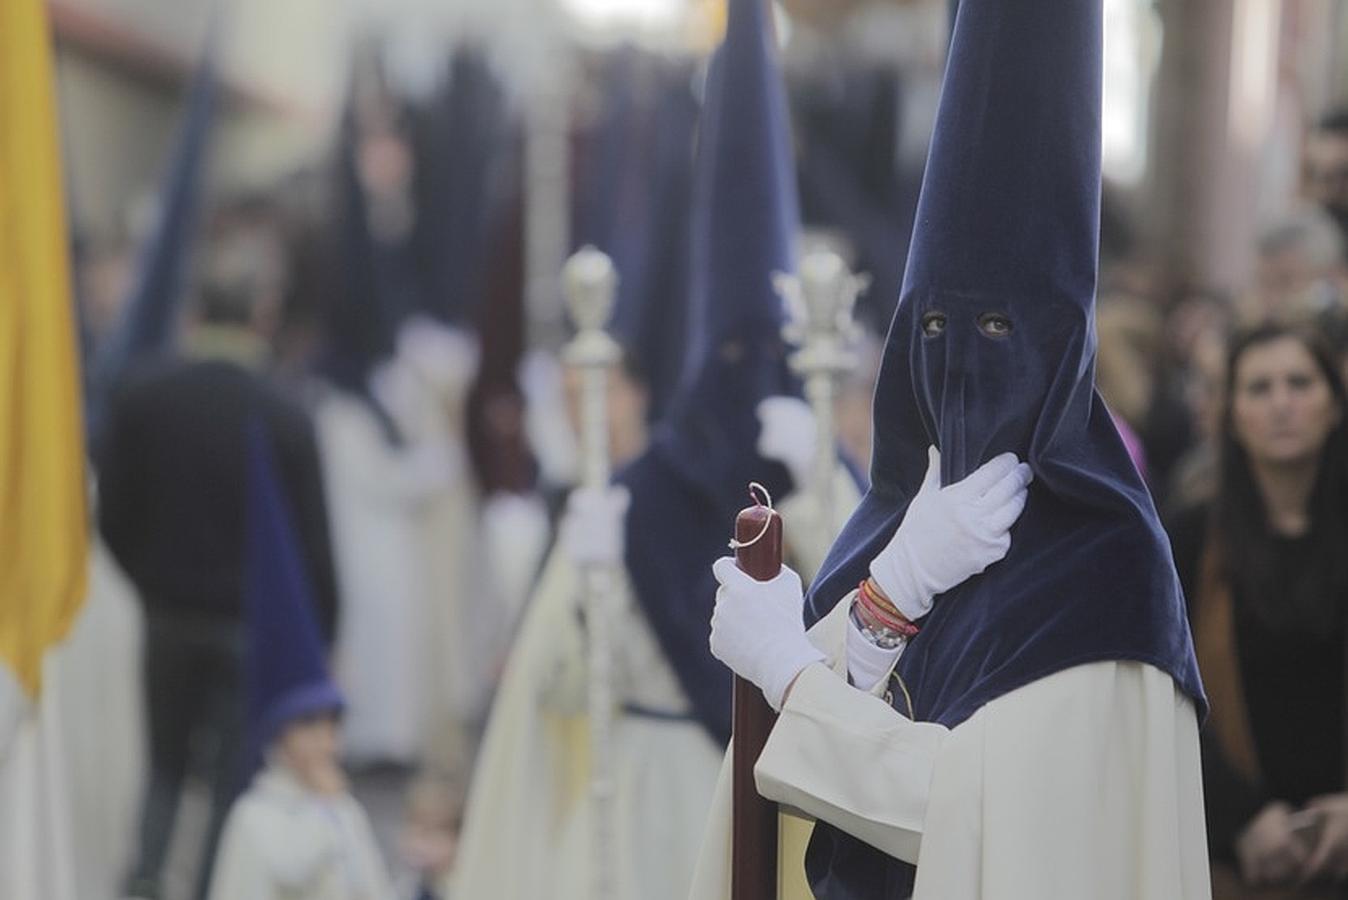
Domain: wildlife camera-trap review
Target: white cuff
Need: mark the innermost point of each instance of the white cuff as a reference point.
(867, 664)
(790, 664)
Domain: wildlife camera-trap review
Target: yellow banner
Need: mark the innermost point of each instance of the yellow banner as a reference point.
(43, 517)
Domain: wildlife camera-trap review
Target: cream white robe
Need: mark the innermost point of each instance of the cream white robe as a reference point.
(526, 831)
(101, 692)
(1082, 784)
(457, 643)
(69, 803)
(37, 835)
(374, 492)
(282, 842)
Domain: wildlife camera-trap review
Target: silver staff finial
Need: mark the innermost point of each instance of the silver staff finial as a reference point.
(819, 304)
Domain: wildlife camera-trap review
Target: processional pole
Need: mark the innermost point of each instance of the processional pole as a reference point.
(590, 285)
(819, 304)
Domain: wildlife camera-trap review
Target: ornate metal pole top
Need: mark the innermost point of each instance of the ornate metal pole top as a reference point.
(819, 304)
(591, 284)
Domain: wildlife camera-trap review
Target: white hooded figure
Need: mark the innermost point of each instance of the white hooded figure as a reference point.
(377, 490)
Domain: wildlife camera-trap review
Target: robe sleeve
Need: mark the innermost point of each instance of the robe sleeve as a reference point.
(846, 757)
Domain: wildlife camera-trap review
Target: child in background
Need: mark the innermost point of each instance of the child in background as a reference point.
(430, 837)
(297, 834)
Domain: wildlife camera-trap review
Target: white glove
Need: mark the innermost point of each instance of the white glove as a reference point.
(950, 534)
(445, 356)
(592, 528)
(787, 433)
(758, 630)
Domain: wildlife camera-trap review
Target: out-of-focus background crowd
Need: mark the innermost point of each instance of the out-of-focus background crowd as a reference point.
(358, 210)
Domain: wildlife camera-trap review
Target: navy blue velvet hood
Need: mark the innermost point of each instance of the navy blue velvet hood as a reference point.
(632, 201)
(285, 675)
(457, 140)
(688, 485)
(1008, 223)
(650, 318)
(150, 314)
(361, 323)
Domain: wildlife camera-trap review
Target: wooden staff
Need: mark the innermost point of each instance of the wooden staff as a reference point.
(819, 304)
(590, 286)
(753, 873)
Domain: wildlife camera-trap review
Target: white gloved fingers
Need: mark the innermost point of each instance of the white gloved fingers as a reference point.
(756, 630)
(721, 612)
(592, 529)
(1002, 519)
(990, 552)
(1003, 491)
(729, 575)
(931, 481)
(950, 534)
(728, 572)
(982, 479)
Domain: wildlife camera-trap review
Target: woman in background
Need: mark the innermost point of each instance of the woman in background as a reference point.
(1265, 568)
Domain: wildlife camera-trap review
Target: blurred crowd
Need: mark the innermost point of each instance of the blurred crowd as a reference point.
(374, 310)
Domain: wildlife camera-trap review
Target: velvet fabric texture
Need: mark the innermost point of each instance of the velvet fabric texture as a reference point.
(361, 323)
(284, 670)
(633, 201)
(456, 140)
(689, 484)
(146, 327)
(651, 317)
(1008, 224)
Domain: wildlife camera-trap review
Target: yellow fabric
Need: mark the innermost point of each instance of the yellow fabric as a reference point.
(793, 838)
(42, 491)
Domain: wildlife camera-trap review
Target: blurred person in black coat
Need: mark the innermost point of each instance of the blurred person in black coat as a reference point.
(171, 480)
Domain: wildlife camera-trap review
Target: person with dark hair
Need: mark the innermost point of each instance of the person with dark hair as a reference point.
(170, 507)
(1325, 176)
(1266, 573)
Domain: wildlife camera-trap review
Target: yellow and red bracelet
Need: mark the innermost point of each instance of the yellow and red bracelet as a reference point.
(876, 605)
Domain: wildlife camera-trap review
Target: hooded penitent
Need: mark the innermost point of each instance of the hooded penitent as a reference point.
(361, 320)
(853, 175)
(690, 483)
(651, 315)
(457, 140)
(992, 349)
(633, 202)
(150, 313)
(611, 200)
(286, 677)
